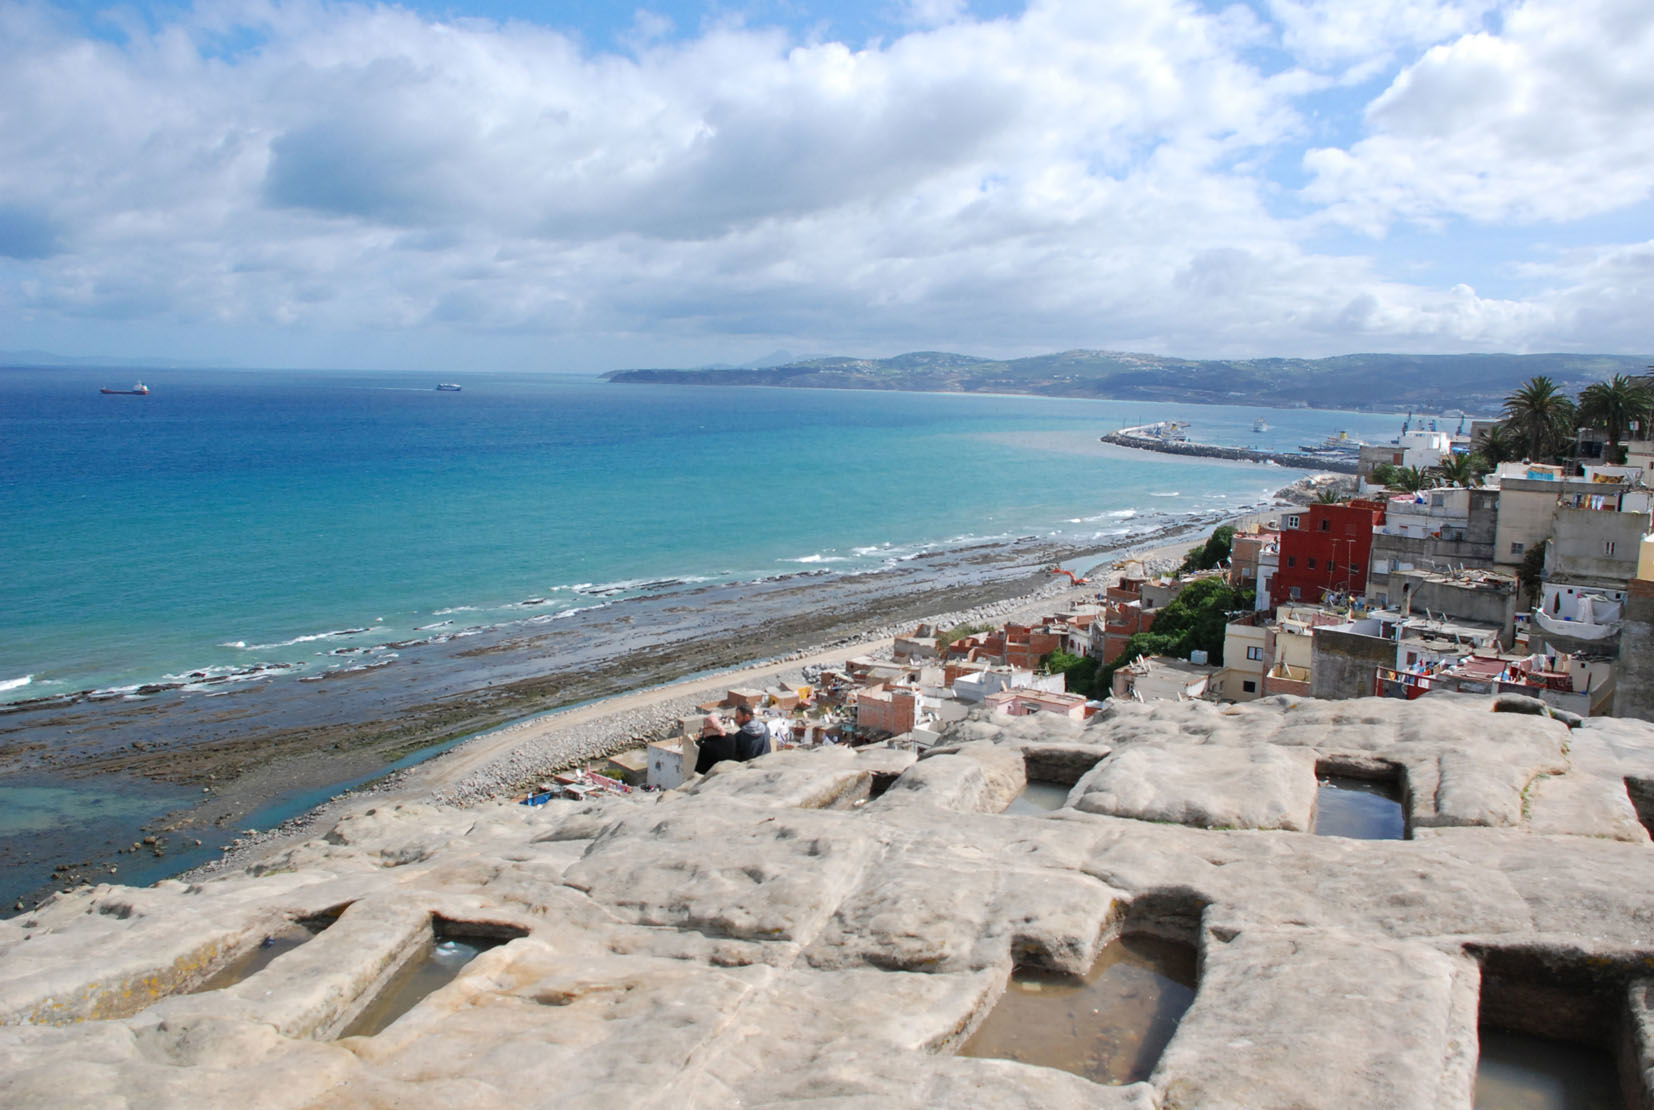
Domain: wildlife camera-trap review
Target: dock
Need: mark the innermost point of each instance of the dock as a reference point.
(1153, 437)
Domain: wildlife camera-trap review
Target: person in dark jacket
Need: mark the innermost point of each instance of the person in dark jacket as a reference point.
(716, 745)
(752, 739)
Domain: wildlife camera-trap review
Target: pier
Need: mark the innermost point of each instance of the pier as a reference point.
(1151, 437)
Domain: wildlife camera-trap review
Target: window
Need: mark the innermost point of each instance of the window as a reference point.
(1312, 564)
(1254, 652)
(1292, 522)
(1355, 568)
(1516, 549)
(1292, 560)
(1607, 547)
(1249, 686)
(1326, 525)
(1296, 593)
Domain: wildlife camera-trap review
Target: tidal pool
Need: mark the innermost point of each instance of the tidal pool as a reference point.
(1521, 1072)
(261, 955)
(1360, 809)
(1110, 1025)
(1039, 797)
(429, 970)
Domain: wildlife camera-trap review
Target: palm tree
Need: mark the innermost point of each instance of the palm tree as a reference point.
(1497, 445)
(1461, 470)
(1614, 406)
(1542, 415)
(1409, 479)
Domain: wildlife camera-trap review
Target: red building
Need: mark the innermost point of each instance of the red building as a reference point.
(1325, 549)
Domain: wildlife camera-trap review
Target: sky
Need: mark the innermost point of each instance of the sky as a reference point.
(520, 185)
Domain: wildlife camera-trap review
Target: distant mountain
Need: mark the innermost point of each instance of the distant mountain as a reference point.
(1475, 383)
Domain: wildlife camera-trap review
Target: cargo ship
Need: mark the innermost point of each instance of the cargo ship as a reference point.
(138, 390)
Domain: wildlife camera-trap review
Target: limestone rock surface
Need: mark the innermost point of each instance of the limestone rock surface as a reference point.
(803, 930)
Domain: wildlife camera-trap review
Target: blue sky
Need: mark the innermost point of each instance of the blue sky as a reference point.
(586, 186)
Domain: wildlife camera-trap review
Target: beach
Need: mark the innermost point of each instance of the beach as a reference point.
(506, 761)
(486, 717)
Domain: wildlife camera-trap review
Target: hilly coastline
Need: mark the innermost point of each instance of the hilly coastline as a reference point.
(1382, 382)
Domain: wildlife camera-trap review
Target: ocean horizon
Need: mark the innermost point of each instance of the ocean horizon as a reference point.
(238, 520)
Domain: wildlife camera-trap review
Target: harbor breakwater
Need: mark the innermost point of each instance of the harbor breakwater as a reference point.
(1132, 437)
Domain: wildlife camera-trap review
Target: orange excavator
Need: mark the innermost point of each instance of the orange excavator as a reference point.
(1072, 577)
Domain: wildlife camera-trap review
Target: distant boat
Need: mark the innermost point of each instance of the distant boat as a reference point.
(1337, 444)
(447, 387)
(1260, 425)
(138, 390)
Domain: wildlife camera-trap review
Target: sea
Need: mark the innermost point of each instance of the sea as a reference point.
(261, 525)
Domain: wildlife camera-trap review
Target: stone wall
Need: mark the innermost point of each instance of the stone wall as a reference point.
(1239, 454)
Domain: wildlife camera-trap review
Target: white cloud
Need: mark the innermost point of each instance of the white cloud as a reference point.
(1544, 121)
(1081, 175)
(1333, 33)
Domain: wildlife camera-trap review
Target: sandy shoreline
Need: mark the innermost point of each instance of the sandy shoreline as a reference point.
(505, 760)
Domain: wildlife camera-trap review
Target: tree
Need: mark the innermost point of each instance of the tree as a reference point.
(1541, 415)
(1078, 671)
(1614, 406)
(1410, 479)
(1214, 552)
(1531, 575)
(1384, 474)
(1462, 470)
(1329, 496)
(1194, 621)
(1498, 445)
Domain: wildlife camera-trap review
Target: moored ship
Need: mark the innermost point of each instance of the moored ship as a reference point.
(447, 387)
(138, 390)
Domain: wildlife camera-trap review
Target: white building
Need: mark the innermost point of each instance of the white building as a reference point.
(672, 763)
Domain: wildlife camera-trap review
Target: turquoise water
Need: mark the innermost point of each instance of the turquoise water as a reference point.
(232, 519)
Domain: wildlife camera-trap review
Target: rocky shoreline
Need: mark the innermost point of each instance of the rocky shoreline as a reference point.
(247, 750)
(542, 722)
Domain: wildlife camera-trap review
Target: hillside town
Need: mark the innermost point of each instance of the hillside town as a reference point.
(1441, 565)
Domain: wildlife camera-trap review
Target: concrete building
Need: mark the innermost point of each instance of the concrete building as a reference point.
(1326, 549)
(1157, 678)
(1253, 562)
(1126, 612)
(1247, 656)
(973, 685)
(1423, 448)
(1479, 597)
(1574, 684)
(1350, 659)
(1435, 530)
(883, 708)
(1528, 500)
(1019, 702)
(671, 763)
(1634, 690)
(1290, 647)
(1593, 543)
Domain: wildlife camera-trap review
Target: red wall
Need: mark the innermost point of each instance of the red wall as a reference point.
(1335, 539)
